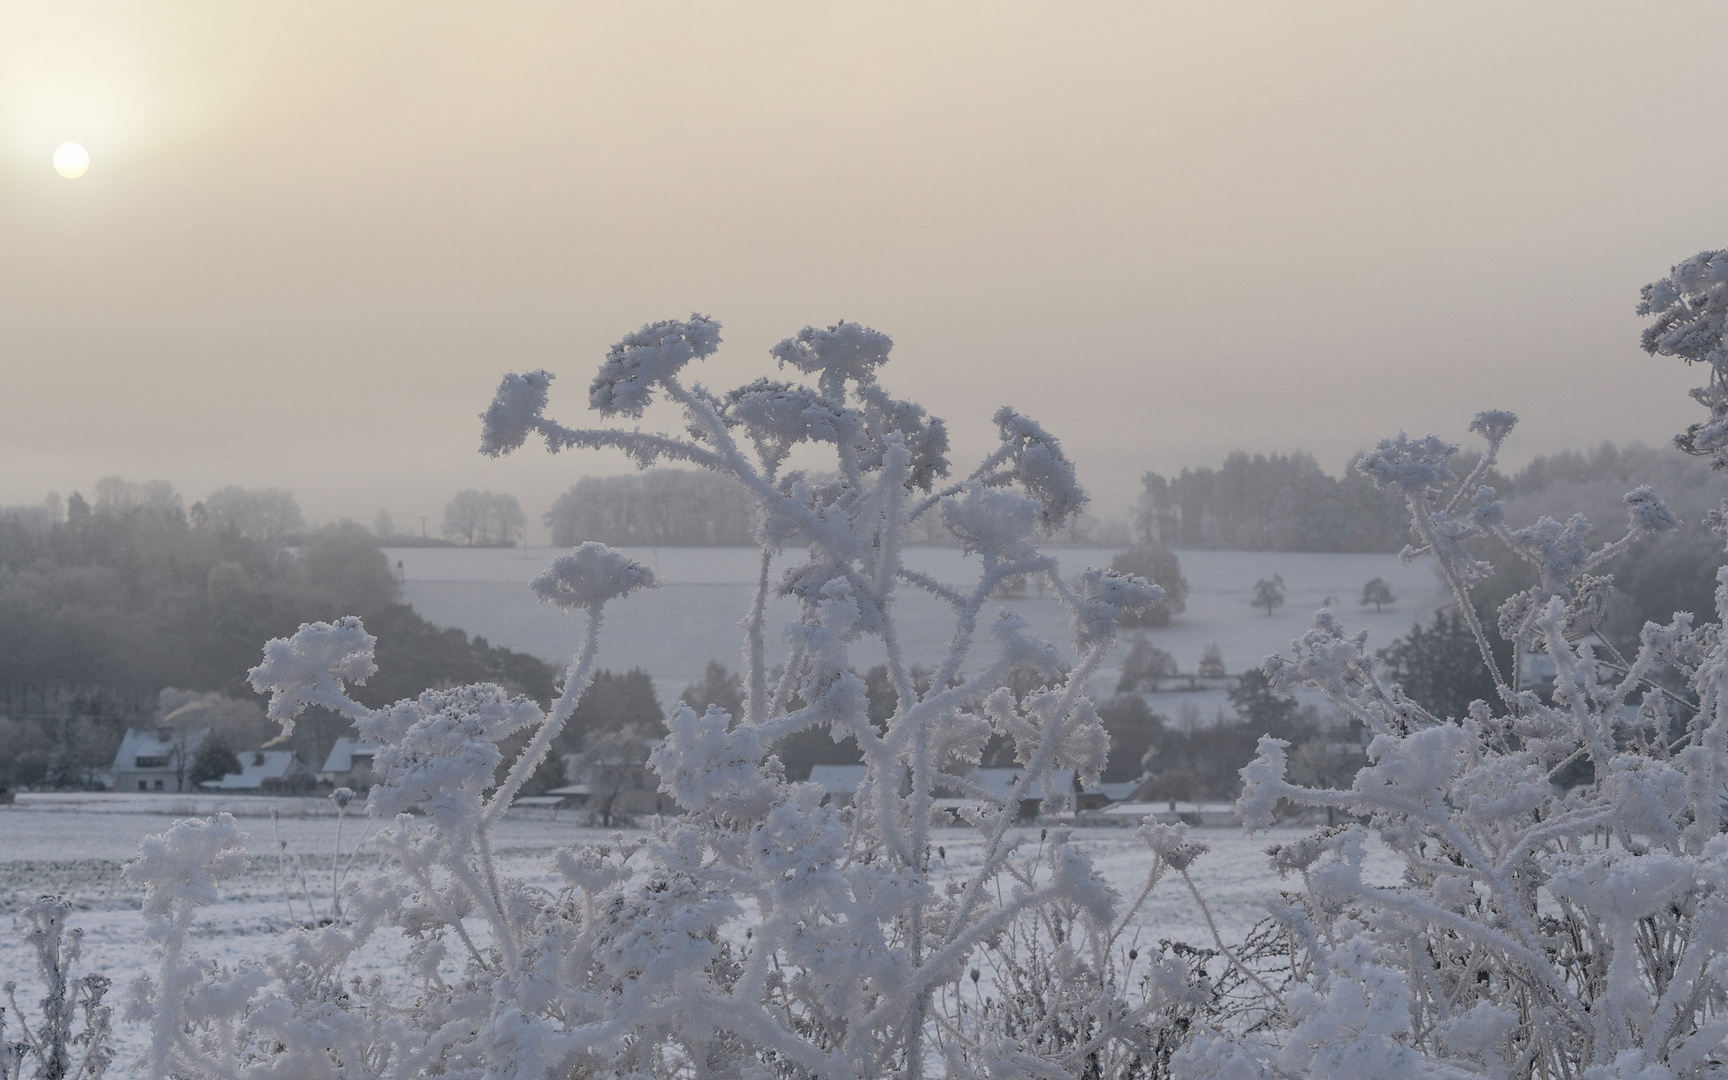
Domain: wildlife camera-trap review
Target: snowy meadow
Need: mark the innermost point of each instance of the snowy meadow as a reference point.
(692, 617)
(252, 915)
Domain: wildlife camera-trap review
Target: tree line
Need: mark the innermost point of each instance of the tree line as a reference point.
(655, 508)
(1269, 503)
(131, 595)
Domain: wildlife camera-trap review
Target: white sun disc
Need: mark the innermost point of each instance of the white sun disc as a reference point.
(71, 160)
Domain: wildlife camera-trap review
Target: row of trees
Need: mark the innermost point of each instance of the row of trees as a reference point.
(1276, 502)
(1269, 503)
(485, 519)
(656, 508)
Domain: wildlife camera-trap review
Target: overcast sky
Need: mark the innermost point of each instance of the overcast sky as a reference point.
(313, 235)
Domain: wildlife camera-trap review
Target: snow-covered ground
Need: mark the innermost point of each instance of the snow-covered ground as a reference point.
(672, 632)
(252, 917)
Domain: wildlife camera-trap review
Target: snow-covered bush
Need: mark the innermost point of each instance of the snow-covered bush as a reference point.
(759, 933)
(1536, 931)
(71, 1038)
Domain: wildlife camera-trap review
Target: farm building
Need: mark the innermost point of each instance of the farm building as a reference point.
(156, 759)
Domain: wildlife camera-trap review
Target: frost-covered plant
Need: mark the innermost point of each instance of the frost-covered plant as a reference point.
(1691, 309)
(759, 933)
(61, 1047)
(1535, 931)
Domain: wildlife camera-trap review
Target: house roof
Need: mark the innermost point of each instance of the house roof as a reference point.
(154, 742)
(1000, 783)
(256, 766)
(343, 753)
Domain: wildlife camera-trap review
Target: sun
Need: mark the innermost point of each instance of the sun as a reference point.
(71, 160)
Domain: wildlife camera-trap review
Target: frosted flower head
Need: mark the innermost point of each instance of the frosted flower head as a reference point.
(1414, 466)
(590, 576)
(310, 668)
(706, 763)
(1105, 595)
(449, 755)
(841, 352)
(778, 416)
(177, 868)
(1171, 843)
(925, 436)
(647, 358)
(514, 412)
(1494, 425)
(1690, 306)
(1486, 509)
(1040, 467)
(1649, 513)
(985, 519)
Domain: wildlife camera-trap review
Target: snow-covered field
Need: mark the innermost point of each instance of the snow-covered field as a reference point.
(76, 844)
(672, 632)
(252, 916)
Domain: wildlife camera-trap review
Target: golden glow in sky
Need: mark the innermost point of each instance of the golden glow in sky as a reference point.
(71, 160)
(1165, 231)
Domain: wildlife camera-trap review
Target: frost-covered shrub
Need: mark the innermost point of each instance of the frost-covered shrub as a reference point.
(1536, 931)
(759, 933)
(71, 1036)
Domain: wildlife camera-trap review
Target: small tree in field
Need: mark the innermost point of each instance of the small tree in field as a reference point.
(1212, 664)
(1269, 593)
(1378, 593)
(1145, 666)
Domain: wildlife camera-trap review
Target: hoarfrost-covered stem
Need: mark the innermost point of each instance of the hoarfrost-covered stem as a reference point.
(577, 679)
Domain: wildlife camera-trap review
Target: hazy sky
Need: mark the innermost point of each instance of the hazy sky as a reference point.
(312, 236)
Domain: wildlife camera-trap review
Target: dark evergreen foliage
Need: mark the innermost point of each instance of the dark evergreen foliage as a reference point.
(1441, 668)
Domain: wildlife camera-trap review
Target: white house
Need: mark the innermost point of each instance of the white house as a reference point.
(157, 759)
(350, 763)
(264, 770)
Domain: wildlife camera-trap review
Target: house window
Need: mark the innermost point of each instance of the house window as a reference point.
(158, 785)
(150, 763)
(142, 786)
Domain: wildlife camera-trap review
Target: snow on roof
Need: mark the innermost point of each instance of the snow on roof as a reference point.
(256, 766)
(1000, 783)
(343, 753)
(837, 779)
(155, 743)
